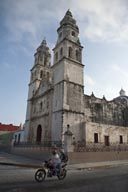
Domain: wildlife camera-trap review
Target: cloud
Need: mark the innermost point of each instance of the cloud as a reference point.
(98, 20)
(103, 20)
(120, 72)
(88, 80)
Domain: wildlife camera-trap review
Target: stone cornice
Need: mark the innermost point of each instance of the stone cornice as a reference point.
(66, 39)
(69, 59)
(69, 111)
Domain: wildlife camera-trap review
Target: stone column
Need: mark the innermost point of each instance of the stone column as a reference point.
(68, 146)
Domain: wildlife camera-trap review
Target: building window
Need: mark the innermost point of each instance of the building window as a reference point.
(41, 105)
(70, 52)
(45, 61)
(39, 134)
(73, 33)
(61, 52)
(95, 137)
(121, 139)
(78, 57)
(106, 140)
(48, 75)
(56, 56)
(41, 74)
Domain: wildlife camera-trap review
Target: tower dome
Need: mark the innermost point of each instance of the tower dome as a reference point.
(122, 92)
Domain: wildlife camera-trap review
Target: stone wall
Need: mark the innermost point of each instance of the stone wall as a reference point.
(38, 153)
(84, 157)
(112, 131)
(74, 157)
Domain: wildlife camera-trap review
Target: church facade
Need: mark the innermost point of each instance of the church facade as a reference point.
(56, 101)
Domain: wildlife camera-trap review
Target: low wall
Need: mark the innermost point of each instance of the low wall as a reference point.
(40, 153)
(84, 157)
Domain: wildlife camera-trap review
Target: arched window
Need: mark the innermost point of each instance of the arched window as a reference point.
(39, 134)
(41, 74)
(48, 75)
(56, 56)
(45, 61)
(77, 55)
(73, 33)
(41, 105)
(61, 52)
(70, 52)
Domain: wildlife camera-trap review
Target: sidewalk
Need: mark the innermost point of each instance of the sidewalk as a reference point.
(11, 158)
(97, 165)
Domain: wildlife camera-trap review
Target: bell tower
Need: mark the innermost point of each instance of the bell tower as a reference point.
(41, 67)
(67, 80)
(39, 72)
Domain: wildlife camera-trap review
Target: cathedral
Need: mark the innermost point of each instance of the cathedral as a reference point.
(57, 104)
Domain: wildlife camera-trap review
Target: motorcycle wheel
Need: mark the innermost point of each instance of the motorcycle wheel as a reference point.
(62, 175)
(40, 175)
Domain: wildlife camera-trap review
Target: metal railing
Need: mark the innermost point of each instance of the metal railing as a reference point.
(39, 144)
(79, 146)
(95, 147)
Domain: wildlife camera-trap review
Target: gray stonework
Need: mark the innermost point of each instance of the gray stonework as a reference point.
(56, 96)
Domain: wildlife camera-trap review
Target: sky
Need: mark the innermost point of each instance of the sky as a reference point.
(103, 26)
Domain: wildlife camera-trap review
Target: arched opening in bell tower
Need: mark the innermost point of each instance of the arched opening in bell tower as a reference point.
(70, 52)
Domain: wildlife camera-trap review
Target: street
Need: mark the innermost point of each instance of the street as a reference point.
(16, 179)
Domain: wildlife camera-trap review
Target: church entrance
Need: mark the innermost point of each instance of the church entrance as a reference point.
(39, 134)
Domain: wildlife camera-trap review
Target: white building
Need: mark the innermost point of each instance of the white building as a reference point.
(56, 97)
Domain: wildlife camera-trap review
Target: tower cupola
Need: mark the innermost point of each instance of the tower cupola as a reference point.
(68, 43)
(68, 29)
(43, 55)
(122, 92)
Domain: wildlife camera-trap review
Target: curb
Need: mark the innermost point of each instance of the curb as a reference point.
(94, 167)
(89, 168)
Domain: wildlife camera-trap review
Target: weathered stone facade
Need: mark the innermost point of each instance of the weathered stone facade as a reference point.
(56, 96)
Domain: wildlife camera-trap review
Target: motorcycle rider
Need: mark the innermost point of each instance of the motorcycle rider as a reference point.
(55, 158)
(63, 156)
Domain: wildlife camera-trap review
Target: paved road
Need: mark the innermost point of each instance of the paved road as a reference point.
(16, 179)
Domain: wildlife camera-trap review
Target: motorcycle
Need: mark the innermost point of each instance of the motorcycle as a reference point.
(49, 171)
